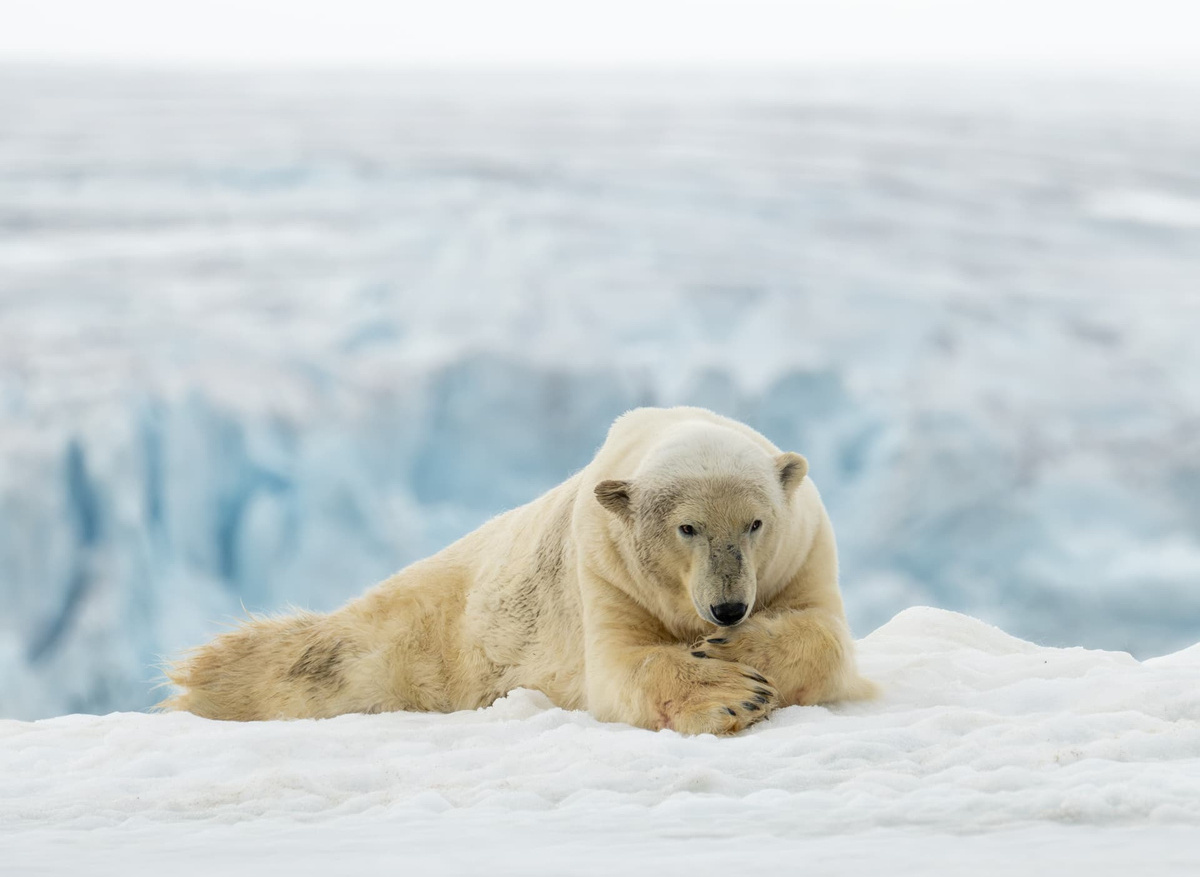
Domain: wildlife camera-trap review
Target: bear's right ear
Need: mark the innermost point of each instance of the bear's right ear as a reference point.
(614, 496)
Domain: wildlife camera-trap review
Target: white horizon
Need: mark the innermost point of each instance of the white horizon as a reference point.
(1155, 36)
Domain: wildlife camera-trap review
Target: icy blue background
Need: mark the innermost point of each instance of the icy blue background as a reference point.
(265, 339)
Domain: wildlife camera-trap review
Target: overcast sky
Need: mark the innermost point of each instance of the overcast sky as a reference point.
(1153, 35)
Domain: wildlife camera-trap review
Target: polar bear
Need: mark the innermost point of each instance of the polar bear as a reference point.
(685, 579)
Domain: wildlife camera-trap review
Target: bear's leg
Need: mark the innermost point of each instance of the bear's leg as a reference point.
(666, 686)
(389, 650)
(298, 666)
(636, 675)
(807, 653)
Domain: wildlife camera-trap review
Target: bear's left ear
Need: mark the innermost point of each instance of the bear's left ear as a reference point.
(614, 496)
(791, 468)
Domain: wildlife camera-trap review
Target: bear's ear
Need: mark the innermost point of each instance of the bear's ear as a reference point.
(791, 468)
(614, 496)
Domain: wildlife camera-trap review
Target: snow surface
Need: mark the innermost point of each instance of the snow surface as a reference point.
(266, 339)
(986, 755)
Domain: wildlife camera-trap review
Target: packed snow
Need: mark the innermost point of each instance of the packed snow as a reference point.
(985, 755)
(264, 339)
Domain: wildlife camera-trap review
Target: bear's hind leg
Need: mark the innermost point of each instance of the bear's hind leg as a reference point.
(300, 666)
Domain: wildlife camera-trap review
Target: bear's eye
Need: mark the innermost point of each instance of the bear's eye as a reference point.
(687, 530)
(757, 525)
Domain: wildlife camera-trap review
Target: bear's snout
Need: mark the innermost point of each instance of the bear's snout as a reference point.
(726, 614)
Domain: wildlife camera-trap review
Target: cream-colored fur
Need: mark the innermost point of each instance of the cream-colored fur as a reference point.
(591, 594)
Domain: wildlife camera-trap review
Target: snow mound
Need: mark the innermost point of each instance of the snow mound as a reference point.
(984, 751)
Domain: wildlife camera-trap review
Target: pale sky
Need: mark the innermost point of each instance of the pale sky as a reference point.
(1152, 35)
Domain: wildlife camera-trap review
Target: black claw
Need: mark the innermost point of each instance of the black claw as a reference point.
(717, 641)
(699, 655)
(760, 698)
(762, 692)
(753, 707)
(731, 712)
(756, 678)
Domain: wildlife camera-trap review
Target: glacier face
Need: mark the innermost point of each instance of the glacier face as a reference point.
(265, 339)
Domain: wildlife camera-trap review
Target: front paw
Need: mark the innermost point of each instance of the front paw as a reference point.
(798, 659)
(718, 697)
(749, 642)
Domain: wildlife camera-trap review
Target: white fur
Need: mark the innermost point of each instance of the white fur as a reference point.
(593, 596)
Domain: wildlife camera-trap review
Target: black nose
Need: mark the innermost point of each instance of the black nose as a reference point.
(728, 613)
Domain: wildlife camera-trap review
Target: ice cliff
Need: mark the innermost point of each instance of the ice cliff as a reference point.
(263, 340)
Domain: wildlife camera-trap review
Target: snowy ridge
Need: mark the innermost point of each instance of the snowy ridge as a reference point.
(977, 732)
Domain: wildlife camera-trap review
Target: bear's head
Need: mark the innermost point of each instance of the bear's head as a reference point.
(701, 516)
